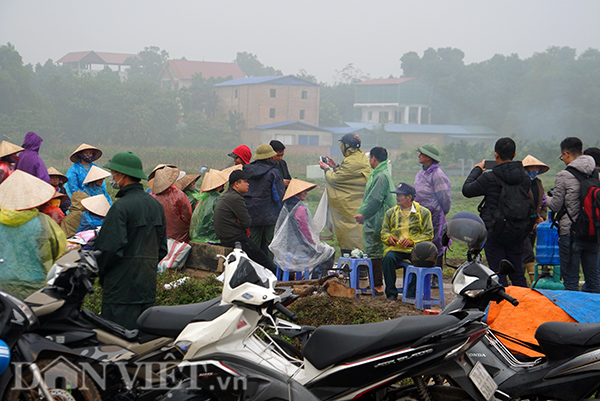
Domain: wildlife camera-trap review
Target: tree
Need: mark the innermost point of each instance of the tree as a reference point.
(251, 67)
(147, 64)
(349, 75)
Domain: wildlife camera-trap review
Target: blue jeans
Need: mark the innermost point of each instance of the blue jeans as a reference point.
(571, 256)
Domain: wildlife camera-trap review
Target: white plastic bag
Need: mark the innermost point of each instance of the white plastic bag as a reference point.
(176, 256)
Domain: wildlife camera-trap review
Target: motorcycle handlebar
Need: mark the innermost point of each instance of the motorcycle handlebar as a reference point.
(510, 299)
(285, 311)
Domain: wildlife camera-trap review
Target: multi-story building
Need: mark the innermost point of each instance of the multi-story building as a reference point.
(177, 74)
(394, 100)
(266, 100)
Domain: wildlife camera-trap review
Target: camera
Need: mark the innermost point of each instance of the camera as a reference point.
(324, 159)
(550, 192)
(489, 164)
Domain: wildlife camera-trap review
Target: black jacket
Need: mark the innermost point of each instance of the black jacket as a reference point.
(264, 197)
(231, 217)
(480, 183)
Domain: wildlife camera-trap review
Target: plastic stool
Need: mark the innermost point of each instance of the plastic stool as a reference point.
(423, 294)
(284, 275)
(354, 264)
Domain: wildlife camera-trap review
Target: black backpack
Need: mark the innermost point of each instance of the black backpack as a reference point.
(515, 216)
(587, 225)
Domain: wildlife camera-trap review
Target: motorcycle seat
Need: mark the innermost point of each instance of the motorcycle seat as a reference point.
(169, 321)
(329, 345)
(571, 334)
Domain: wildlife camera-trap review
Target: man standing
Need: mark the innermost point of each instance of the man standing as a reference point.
(264, 197)
(490, 184)
(377, 200)
(566, 201)
(404, 225)
(433, 192)
(232, 219)
(133, 239)
(279, 148)
(345, 191)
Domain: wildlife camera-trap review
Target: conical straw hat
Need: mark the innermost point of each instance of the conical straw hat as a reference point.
(187, 179)
(7, 149)
(158, 167)
(231, 169)
(22, 191)
(296, 186)
(95, 174)
(163, 179)
(532, 161)
(97, 204)
(59, 195)
(75, 158)
(213, 180)
(53, 171)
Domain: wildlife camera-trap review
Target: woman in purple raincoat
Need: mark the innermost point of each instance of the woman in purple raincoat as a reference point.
(433, 192)
(30, 160)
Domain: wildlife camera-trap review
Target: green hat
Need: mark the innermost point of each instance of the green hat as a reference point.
(264, 152)
(128, 164)
(430, 150)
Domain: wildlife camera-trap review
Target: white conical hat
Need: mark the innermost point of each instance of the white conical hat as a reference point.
(7, 148)
(53, 171)
(75, 157)
(97, 204)
(532, 161)
(296, 186)
(22, 191)
(231, 169)
(186, 180)
(213, 180)
(95, 174)
(163, 178)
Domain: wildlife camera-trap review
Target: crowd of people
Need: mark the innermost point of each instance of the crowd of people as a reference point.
(265, 210)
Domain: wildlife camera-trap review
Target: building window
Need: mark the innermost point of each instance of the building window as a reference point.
(285, 139)
(413, 115)
(369, 116)
(273, 92)
(302, 114)
(272, 113)
(308, 140)
(236, 93)
(304, 94)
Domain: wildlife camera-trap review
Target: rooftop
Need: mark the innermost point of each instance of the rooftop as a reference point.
(271, 80)
(185, 69)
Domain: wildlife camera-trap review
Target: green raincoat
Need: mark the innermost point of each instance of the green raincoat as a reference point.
(31, 242)
(345, 191)
(194, 196)
(202, 226)
(377, 200)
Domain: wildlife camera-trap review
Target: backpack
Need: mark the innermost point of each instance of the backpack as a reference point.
(515, 216)
(587, 225)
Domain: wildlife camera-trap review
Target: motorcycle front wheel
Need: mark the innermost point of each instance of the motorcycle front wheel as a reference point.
(65, 382)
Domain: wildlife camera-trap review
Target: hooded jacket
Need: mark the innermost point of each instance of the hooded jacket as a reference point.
(484, 183)
(345, 191)
(30, 160)
(566, 191)
(265, 192)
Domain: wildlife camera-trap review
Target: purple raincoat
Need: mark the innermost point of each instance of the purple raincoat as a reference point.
(433, 192)
(30, 160)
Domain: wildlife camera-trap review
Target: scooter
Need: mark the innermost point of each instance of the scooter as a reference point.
(570, 369)
(236, 355)
(32, 367)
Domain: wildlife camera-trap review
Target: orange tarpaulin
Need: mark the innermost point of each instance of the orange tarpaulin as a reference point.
(523, 320)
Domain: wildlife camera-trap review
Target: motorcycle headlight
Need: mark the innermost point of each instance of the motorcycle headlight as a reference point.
(22, 306)
(461, 281)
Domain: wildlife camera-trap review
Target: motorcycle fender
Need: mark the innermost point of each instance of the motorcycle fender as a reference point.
(31, 346)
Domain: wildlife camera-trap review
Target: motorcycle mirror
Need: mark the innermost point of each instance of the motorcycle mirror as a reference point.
(506, 267)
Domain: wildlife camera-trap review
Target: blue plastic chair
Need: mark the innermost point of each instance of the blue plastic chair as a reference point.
(284, 275)
(422, 298)
(354, 264)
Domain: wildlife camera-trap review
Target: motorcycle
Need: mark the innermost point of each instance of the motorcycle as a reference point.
(237, 354)
(32, 367)
(570, 368)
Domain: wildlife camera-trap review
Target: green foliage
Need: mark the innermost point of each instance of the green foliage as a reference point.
(190, 291)
(250, 66)
(147, 65)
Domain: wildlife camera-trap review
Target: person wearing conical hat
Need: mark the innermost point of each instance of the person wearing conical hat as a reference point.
(8, 158)
(57, 180)
(133, 239)
(30, 160)
(178, 210)
(31, 241)
(52, 208)
(296, 245)
(187, 183)
(264, 196)
(82, 158)
(94, 183)
(96, 208)
(202, 226)
(72, 219)
(534, 167)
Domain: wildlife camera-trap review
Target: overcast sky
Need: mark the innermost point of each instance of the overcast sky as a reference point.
(320, 36)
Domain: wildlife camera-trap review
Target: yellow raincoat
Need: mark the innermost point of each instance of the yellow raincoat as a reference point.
(345, 191)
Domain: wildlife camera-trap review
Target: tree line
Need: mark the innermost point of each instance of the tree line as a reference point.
(550, 95)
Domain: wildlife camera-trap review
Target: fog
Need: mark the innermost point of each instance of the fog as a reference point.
(317, 36)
